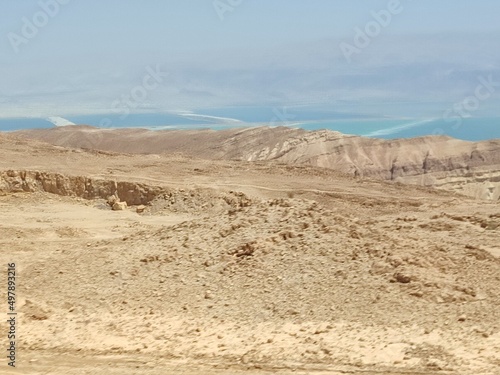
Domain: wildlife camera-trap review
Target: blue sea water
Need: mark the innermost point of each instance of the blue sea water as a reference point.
(472, 129)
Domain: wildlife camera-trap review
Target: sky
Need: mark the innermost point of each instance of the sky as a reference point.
(386, 58)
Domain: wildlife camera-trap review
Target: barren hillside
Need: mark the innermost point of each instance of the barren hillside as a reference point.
(471, 168)
(237, 267)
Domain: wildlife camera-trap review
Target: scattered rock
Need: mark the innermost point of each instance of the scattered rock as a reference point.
(402, 278)
(208, 295)
(119, 206)
(112, 199)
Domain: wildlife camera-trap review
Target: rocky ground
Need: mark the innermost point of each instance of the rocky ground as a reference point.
(242, 268)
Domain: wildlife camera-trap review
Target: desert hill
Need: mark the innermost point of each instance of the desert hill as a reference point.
(471, 168)
(230, 267)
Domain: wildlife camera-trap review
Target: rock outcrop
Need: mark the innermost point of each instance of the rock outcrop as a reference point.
(121, 194)
(78, 186)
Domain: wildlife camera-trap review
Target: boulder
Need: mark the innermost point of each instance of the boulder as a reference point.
(112, 199)
(119, 206)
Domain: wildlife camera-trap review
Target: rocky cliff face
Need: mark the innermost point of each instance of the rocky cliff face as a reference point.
(132, 193)
(83, 187)
(472, 168)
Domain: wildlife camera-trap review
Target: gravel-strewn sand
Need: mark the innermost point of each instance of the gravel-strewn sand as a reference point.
(239, 267)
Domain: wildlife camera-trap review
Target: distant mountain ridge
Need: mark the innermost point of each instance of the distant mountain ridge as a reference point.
(471, 168)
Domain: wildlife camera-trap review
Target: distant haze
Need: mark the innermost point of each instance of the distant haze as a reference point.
(90, 57)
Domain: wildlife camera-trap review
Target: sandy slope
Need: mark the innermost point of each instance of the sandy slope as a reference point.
(243, 267)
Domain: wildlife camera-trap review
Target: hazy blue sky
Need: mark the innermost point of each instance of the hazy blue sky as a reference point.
(88, 56)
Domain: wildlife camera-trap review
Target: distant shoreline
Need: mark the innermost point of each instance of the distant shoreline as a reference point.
(469, 129)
